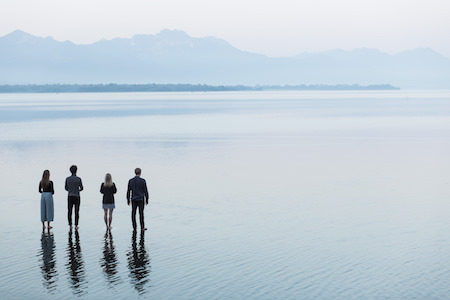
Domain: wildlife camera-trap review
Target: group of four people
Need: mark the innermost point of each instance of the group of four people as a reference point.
(137, 196)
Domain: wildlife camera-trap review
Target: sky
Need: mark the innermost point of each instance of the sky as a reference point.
(274, 28)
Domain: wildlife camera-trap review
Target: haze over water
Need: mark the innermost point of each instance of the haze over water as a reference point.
(253, 195)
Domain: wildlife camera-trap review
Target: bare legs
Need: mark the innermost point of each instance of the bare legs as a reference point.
(108, 221)
(48, 225)
(110, 217)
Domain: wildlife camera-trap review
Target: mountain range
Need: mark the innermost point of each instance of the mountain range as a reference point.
(172, 56)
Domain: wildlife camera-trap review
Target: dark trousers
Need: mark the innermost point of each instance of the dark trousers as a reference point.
(71, 202)
(134, 205)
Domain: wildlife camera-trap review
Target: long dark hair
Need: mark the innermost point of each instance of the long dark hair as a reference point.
(45, 178)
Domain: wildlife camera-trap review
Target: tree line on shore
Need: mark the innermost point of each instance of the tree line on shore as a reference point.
(113, 87)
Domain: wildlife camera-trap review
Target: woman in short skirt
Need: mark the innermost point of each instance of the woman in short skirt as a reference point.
(108, 189)
(46, 190)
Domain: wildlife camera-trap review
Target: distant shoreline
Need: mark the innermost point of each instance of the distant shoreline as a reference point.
(120, 88)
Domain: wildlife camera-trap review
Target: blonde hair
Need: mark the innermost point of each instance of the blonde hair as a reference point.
(108, 180)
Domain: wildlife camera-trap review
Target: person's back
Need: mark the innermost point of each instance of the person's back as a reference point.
(137, 193)
(108, 189)
(137, 187)
(74, 185)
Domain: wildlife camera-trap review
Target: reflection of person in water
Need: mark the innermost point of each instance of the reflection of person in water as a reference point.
(48, 267)
(75, 264)
(109, 260)
(139, 263)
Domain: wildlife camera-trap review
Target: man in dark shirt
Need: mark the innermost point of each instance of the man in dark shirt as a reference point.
(137, 193)
(73, 186)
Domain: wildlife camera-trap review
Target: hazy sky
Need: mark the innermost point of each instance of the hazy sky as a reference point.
(274, 28)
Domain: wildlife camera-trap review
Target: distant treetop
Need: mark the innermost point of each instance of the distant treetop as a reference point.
(112, 87)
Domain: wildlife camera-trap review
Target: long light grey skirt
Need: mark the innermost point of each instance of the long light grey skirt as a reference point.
(46, 207)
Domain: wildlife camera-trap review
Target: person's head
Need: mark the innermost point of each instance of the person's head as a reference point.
(108, 179)
(73, 169)
(46, 174)
(137, 171)
(45, 178)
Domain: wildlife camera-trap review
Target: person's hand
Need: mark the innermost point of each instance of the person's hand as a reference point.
(128, 202)
(146, 202)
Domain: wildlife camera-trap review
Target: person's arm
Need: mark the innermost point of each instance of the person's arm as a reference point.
(51, 184)
(114, 188)
(145, 192)
(66, 186)
(128, 192)
(40, 189)
(81, 186)
(102, 190)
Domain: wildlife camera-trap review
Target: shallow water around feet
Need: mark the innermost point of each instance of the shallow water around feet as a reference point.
(253, 195)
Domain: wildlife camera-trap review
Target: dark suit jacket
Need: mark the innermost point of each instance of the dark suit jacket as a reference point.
(137, 189)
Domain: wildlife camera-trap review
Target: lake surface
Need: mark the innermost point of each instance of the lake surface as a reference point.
(253, 195)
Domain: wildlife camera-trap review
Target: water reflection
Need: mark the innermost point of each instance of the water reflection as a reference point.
(109, 260)
(48, 266)
(75, 265)
(139, 264)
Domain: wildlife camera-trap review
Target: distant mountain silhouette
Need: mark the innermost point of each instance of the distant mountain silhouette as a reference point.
(172, 56)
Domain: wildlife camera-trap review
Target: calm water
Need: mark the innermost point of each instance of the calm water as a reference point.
(287, 195)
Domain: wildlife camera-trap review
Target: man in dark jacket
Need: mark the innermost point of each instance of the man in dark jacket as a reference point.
(137, 193)
(73, 186)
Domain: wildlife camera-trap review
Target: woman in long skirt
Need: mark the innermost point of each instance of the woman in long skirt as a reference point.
(108, 189)
(46, 189)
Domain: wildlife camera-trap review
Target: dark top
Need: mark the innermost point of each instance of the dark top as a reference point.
(74, 185)
(108, 193)
(137, 189)
(48, 188)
